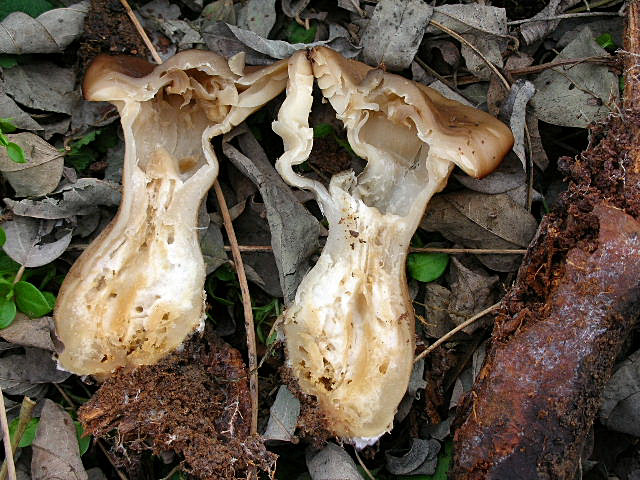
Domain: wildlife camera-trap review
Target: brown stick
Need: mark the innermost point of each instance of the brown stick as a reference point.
(576, 298)
(6, 439)
(246, 304)
(143, 34)
(26, 411)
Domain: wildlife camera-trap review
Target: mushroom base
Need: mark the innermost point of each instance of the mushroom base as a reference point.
(350, 331)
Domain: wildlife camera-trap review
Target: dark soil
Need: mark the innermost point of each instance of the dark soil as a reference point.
(108, 29)
(195, 403)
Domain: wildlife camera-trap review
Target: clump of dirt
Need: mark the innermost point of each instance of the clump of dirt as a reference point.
(108, 29)
(329, 157)
(195, 402)
(312, 423)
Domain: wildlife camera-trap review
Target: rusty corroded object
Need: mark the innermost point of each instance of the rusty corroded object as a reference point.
(539, 390)
(563, 324)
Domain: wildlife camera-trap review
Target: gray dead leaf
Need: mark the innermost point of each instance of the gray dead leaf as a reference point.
(56, 454)
(478, 359)
(394, 33)
(620, 410)
(259, 16)
(575, 95)
(352, 6)
(416, 382)
(92, 114)
(23, 242)
(212, 245)
(42, 171)
(164, 16)
(538, 154)
(294, 8)
(10, 109)
(43, 86)
(115, 163)
(463, 384)
(294, 231)
(219, 11)
(483, 26)
(160, 10)
(51, 32)
(471, 292)
(507, 176)
(476, 220)
(30, 332)
(420, 75)
(439, 431)
(421, 459)
(513, 111)
(252, 228)
(20, 372)
(80, 198)
(228, 40)
(533, 31)
(181, 33)
(436, 319)
(451, 94)
(448, 50)
(283, 417)
(569, 28)
(332, 463)
(96, 473)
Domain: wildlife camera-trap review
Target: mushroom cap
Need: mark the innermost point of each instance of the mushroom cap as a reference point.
(468, 137)
(121, 77)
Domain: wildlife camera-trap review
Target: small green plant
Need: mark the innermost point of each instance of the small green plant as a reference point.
(14, 150)
(33, 8)
(296, 33)
(264, 317)
(32, 428)
(606, 41)
(18, 295)
(427, 267)
(323, 130)
(87, 149)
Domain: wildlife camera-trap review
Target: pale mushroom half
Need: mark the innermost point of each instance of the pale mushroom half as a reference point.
(350, 331)
(136, 292)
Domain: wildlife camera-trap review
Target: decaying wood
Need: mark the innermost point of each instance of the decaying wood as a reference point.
(562, 325)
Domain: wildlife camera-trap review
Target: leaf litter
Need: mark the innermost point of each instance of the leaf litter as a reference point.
(43, 97)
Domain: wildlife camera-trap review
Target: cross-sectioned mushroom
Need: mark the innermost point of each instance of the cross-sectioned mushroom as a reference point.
(136, 292)
(350, 331)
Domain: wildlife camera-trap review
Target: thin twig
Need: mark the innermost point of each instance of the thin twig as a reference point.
(6, 438)
(246, 304)
(589, 6)
(140, 29)
(605, 60)
(26, 412)
(475, 251)
(19, 274)
(563, 16)
(463, 40)
(364, 467)
(450, 334)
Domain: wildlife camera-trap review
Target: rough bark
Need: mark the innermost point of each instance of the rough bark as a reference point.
(563, 323)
